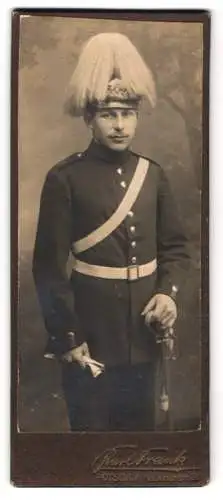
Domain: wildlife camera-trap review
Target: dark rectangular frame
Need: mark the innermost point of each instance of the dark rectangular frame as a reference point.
(49, 459)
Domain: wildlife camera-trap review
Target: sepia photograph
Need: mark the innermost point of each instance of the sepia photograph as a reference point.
(110, 171)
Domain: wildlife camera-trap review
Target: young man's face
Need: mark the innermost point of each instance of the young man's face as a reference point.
(114, 127)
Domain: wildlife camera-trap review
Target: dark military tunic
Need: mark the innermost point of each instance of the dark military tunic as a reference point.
(79, 194)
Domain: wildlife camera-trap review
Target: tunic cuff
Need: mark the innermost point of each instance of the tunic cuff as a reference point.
(171, 291)
(71, 341)
(58, 346)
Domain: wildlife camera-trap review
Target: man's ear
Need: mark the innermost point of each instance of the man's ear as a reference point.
(88, 117)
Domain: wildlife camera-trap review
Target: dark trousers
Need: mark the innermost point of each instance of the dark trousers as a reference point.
(122, 398)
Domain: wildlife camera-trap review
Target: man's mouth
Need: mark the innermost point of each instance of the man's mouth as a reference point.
(118, 137)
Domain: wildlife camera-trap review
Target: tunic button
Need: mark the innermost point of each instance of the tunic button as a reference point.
(71, 335)
(133, 244)
(123, 184)
(132, 229)
(119, 170)
(133, 259)
(130, 213)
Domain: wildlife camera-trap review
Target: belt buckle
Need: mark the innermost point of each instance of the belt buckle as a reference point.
(133, 272)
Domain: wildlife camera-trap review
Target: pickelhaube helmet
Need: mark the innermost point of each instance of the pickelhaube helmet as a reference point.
(109, 70)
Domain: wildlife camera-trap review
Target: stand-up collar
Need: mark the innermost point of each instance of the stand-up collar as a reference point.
(98, 150)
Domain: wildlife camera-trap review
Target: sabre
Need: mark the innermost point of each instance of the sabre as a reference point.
(168, 341)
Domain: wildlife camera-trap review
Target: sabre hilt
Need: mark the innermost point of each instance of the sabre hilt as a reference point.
(167, 338)
(169, 343)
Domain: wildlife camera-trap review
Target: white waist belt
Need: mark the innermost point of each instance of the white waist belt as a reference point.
(130, 273)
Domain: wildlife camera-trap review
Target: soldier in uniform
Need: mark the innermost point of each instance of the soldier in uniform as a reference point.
(114, 212)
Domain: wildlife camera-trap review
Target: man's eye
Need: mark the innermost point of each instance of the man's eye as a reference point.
(128, 113)
(105, 115)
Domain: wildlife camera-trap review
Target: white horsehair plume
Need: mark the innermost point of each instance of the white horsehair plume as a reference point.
(104, 57)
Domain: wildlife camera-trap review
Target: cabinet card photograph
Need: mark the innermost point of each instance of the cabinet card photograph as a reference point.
(109, 248)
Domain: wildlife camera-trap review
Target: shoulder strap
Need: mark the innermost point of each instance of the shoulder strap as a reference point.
(119, 215)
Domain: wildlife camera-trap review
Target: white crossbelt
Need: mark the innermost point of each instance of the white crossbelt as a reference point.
(120, 213)
(130, 273)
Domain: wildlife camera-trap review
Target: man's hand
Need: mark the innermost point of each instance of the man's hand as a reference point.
(77, 354)
(160, 308)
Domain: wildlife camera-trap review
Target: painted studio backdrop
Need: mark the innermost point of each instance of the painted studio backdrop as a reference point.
(171, 135)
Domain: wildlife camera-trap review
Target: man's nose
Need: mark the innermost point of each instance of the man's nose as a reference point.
(118, 125)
